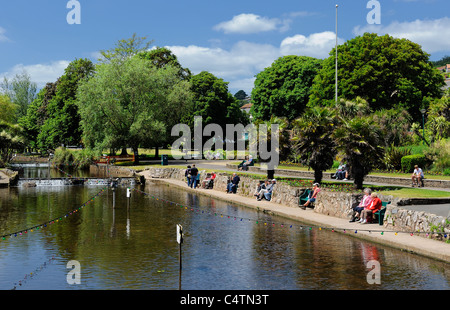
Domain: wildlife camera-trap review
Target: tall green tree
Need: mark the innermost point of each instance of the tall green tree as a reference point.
(129, 103)
(386, 71)
(283, 89)
(213, 102)
(37, 115)
(21, 91)
(359, 140)
(62, 125)
(313, 141)
(7, 109)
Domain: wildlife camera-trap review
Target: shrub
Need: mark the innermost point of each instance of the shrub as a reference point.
(409, 161)
(393, 157)
(439, 154)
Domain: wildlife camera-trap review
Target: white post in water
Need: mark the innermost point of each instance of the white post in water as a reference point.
(128, 196)
(180, 241)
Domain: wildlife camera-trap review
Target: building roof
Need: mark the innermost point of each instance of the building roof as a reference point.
(247, 106)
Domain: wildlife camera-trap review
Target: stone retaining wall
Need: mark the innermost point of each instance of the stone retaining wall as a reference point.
(336, 204)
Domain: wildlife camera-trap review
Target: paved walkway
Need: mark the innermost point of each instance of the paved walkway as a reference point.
(404, 241)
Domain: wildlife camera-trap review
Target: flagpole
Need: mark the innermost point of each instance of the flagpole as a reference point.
(336, 49)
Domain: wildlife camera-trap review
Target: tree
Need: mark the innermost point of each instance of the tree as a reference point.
(283, 140)
(395, 125)
(438, 118)
(7, 109)
(37, 115)
(283, 89)
(386, 71)
(161, 57)
(213, 102)
(313, 140)
(21, 91)
(125, 49)
(62, 125)
(129, 103)
(360, 141)
(10, 140)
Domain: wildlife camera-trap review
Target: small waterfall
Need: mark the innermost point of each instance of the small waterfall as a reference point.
(74, 181)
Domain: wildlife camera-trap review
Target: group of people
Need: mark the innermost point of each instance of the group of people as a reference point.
(369, 204)
(342, 172)
(193, 178)
(265, 190)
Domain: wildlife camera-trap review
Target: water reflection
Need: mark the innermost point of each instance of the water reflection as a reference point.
(131, 243)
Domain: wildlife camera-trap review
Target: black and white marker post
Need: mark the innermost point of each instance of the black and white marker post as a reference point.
(180, 241)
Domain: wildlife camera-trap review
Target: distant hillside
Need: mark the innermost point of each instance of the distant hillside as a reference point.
(439, 63)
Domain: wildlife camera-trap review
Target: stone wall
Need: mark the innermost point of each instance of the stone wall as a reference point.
(283, 193)
(331, 203)
(417, 222)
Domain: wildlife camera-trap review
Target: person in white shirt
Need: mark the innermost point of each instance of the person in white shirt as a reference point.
(417, 176)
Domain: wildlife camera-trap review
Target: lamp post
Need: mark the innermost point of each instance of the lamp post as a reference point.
(423, 111)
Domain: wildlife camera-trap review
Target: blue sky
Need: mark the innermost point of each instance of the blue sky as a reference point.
(232, 39)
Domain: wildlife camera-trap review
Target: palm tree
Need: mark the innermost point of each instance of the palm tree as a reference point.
(359, 139)
(283, 138)
(313, 141)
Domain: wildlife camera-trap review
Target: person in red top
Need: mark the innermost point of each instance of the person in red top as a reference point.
(374, 206)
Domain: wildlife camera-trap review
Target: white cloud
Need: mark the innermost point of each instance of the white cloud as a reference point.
(3, 37)
(41, 74)
(316, 45)
(239, 64)
(248, 23)
(432, 35)
(243, 59)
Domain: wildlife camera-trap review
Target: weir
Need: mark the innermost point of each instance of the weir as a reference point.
(34, 182)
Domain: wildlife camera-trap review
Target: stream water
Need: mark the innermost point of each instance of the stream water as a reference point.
(130, 243)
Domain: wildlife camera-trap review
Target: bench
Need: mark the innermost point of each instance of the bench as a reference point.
(379, 215)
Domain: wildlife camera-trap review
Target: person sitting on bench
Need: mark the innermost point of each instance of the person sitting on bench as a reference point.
(374, 206)
(267, 192)
(262, 185)
(417, 176)
(365, 202)
(232, 186)
(208, 183)
(313, 196)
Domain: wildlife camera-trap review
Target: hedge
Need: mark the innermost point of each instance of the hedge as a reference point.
(409, 161)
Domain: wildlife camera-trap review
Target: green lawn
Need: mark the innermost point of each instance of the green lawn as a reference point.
(416, 193)
(383, 174)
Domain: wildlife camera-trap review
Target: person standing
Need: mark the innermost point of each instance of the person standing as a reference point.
(187, 174)
(194, 180)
